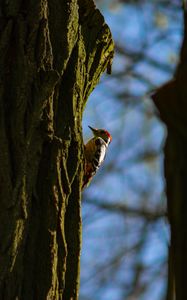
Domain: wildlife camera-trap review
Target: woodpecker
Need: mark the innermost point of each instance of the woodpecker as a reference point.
(95, 152)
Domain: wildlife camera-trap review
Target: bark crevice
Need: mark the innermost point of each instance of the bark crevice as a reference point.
(51, 55)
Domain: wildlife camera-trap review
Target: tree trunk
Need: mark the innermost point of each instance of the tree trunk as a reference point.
(51, 56)
(171, 101)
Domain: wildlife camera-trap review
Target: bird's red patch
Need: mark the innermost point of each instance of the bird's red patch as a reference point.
(108, 134)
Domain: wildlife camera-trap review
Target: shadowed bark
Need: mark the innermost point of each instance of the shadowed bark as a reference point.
(51, 56)
(171, 102)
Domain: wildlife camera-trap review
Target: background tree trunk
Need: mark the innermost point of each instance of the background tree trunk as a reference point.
(171, 101)
(51, 56)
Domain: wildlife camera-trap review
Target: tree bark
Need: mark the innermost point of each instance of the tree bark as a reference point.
(171, 102)
(51, 56)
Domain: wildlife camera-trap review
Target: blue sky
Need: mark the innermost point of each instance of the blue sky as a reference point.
(133, 171)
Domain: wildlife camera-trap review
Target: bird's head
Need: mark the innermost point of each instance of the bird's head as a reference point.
(102, 133)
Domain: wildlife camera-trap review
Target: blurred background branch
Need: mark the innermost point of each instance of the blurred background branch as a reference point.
(125, 230)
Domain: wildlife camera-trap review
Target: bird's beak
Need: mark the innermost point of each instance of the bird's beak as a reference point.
(94, 130)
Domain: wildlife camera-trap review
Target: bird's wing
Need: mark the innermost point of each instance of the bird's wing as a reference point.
(100, 152)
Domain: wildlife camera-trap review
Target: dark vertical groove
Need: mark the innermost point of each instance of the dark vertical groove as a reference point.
(45, 58)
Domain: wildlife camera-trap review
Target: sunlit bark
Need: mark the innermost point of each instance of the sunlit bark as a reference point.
(51, 56)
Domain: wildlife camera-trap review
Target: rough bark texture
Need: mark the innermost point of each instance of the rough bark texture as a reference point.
(51, 56)
(171, 101)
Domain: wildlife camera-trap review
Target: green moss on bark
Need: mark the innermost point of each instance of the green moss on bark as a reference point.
(52, 55)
